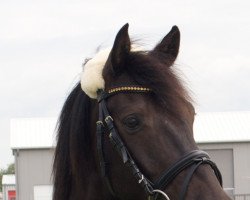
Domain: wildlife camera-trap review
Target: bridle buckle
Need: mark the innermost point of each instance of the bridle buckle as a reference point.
(99, 123)
(108, 118)
(142, 178)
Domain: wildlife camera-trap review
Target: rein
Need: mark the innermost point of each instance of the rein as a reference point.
(105, 125)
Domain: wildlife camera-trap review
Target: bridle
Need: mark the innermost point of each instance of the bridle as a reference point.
(105, 125)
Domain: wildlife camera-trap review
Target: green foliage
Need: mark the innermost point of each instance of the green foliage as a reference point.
(10, 170)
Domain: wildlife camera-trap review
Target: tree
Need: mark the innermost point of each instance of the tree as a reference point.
(10, 170)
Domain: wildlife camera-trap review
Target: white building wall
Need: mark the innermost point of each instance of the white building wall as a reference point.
(241, 163)
(33, 168)
(242, 167)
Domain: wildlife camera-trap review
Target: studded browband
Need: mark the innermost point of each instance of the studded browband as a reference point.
(128, 89)
(124, 89)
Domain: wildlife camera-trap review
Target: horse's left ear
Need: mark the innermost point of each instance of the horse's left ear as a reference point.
(170, 44)
(120, 50)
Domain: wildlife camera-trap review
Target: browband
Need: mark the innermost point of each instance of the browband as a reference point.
(128, 89)
(101, 94)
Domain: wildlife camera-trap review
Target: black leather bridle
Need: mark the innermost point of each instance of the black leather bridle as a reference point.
(105, 125)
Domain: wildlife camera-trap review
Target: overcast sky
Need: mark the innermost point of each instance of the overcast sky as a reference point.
(43, 44)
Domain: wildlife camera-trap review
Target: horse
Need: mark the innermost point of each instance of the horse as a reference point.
(125, 131)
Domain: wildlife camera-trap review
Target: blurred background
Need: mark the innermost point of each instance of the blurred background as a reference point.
(44, 43)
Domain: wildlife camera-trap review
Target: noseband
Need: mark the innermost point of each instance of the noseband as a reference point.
(105, 125)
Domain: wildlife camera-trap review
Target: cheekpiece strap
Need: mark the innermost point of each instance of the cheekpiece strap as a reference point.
(105, 125)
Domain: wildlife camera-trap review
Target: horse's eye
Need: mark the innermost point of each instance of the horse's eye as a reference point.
(132, 122)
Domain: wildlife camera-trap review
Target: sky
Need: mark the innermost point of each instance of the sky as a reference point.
(44, 43)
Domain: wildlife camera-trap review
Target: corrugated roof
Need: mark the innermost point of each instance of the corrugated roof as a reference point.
(211, 127)
(32, 133)
(222, 127)
(9, 179)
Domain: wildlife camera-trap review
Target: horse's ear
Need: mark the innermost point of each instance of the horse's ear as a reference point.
(170, 44)
(120, 50)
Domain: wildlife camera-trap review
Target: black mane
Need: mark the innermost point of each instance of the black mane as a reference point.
(73, 142)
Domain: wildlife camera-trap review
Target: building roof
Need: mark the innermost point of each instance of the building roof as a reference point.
(217, 127)
(30, 133)
(9, 179)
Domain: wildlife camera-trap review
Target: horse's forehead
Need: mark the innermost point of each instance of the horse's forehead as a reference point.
(91, 77)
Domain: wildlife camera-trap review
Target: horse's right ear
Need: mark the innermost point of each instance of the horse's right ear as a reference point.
(170, 44)
(120, 50)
